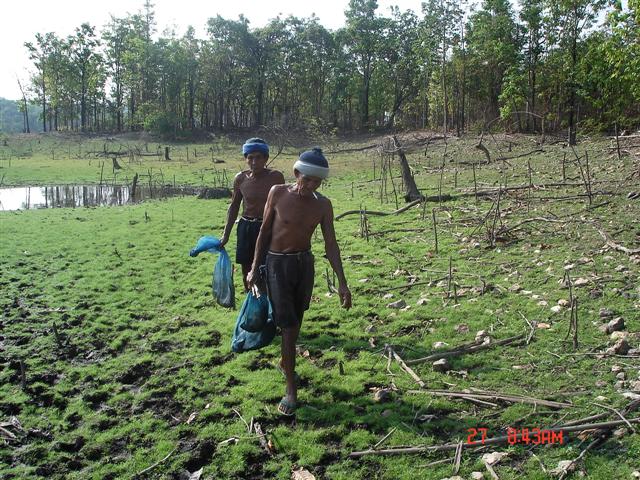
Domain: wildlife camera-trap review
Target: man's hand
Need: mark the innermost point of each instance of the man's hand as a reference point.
(223, 241)
(252, 277)
(345, 296)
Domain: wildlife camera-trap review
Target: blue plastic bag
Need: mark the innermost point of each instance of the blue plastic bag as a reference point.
(254, 313)
(243, 340)
(222, 281)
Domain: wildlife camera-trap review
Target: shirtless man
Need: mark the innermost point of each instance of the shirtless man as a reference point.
(250, 187)
(291, 215)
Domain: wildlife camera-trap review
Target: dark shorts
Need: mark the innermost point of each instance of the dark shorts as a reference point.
(289, 284)
(248, 231)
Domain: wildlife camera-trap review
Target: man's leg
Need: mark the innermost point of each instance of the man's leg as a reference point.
(288, 361)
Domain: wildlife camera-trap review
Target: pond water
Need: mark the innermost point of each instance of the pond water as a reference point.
(58, 196)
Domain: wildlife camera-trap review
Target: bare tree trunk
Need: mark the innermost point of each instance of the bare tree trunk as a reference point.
(411, 190)
(26, 110)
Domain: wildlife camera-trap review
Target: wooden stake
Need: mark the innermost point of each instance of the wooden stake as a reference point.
(435, 228)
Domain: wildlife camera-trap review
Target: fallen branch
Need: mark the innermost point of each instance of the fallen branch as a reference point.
(494, 396)
(616, 246)
(490, 441)
(466, 349)
(404, 366)
(262, 437)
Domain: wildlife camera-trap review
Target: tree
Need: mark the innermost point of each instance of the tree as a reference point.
(568, 20)
(364, 30)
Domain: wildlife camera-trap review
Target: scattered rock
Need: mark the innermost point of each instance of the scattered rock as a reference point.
(480, 336)
(616, 369)
(600, 383)
(515, 288)
(363, 280)
(386, 413)
(564, 467)
(606, 313)
(543, 326)
(615, 336)
(556, 309)
(543, 303)
(422, 301)
(635, 474)
(581, 282)
(387, 296)
(595, 293)
(601, 399)
(621, 268)
(619, 385)
(370, 328)
(635, 386)
(621, 347)
(382, 395)
(621, 376)
(441, 365)
(493, 457)
(526, 292)
(563, 302)
(462, 328)
(438, 345)
(615, 325)
(631, 395)
(477, 476)
(302, 474)
(397, 304)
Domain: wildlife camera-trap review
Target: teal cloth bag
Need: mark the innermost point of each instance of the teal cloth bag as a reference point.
(255, 327)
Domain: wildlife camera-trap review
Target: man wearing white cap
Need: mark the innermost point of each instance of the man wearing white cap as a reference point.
(291, 215)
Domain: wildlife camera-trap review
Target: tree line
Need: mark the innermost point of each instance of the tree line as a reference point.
(553, 65)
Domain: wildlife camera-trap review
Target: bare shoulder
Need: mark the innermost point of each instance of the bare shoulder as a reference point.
(325, 203)
(277, 190)
(240, 177)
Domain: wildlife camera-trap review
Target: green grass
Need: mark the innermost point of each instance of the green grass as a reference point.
(143, 346)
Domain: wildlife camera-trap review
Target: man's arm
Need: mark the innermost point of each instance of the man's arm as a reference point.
(264, 237)
(234, 208)
(333, 255)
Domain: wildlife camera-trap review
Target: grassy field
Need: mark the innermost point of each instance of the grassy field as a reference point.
(116, 363)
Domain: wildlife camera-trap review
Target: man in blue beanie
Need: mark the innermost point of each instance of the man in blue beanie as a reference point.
(250, 187)
(291, 215)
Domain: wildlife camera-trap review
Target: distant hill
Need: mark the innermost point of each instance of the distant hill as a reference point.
(11, 118)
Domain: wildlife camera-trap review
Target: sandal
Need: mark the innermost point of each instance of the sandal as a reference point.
(286, 407)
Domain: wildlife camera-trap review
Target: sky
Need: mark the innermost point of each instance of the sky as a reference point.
(20, 20)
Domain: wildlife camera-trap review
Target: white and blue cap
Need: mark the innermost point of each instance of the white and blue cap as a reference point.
(312, 163)
(255, 145)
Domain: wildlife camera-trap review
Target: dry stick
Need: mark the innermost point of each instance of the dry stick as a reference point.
(466, 349)
(57, 336)
(435, 228)
(373, 212)
(261, 435)
(494, 396)
(157, 463)
(404, 366)
(617, 413)
(490, 441)
(614, 245)
(475, 183)
(617, 141)
(568, 469)
(23, 376)
(458, 459)
(564, 171)
(575, 324)
(382, 440)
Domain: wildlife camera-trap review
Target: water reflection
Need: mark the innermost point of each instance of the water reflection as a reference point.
(57, 196)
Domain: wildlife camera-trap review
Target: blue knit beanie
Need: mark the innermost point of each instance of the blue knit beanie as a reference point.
(255, 145)
(312, 163)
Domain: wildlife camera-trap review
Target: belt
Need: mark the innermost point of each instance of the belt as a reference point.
(250, 219)
(290, 254)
